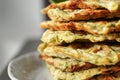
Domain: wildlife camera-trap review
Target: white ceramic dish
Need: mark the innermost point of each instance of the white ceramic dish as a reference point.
(28, 67)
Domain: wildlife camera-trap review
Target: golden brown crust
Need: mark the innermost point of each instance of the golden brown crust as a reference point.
(83, 5)
(67, 64)
(76, 65)
(53, 5)
(115, 76)
(94, 4)
(93, 27)
(95, 74)
(83, 14)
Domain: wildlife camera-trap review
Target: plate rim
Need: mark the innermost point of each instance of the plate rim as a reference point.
(10, 74)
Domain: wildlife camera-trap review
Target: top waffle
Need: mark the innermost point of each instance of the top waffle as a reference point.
(111, 5)
(83, 10)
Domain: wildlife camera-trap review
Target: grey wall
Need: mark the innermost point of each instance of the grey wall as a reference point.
(19, 22)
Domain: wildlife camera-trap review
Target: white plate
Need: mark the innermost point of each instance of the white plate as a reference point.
(28, 67)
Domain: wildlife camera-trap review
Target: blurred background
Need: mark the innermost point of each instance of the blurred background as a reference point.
(19, 28)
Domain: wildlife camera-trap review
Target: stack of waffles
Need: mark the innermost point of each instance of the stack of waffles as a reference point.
(82, 40)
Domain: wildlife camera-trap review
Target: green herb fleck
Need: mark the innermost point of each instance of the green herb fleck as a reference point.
(57, 1)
